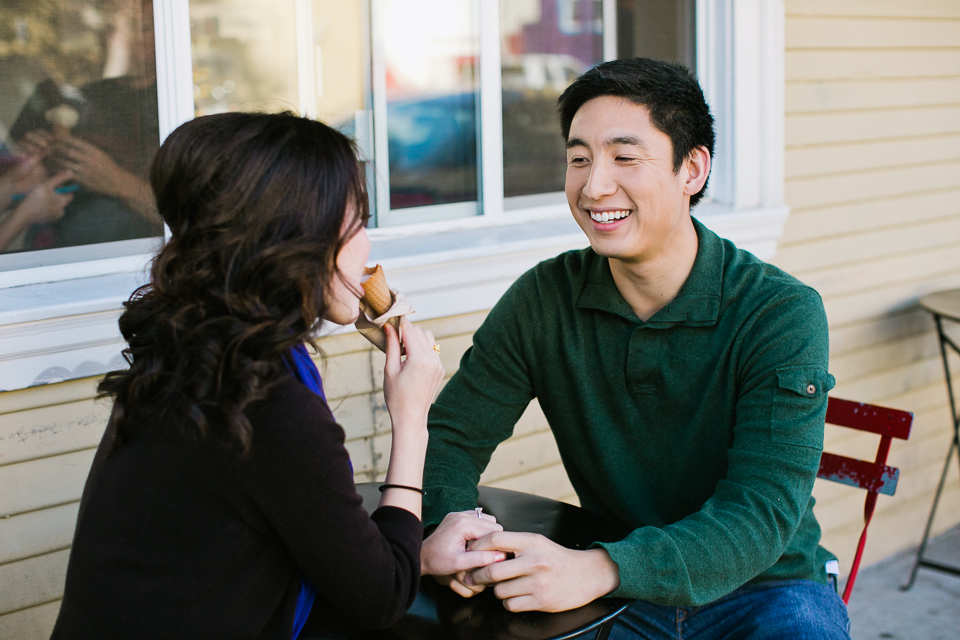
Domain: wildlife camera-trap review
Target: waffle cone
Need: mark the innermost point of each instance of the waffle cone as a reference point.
(376, 293)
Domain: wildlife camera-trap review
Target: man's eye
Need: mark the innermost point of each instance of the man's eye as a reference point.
(577, 160)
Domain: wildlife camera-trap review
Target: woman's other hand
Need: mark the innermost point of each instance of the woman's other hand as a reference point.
(446, 552)
(42, 205)
(409, 387)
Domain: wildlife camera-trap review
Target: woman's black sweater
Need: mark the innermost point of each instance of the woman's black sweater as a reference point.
(177, 539)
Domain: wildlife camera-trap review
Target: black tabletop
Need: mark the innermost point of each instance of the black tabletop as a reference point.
(440, 614)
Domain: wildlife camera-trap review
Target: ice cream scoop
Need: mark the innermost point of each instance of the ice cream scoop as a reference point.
(62, 118)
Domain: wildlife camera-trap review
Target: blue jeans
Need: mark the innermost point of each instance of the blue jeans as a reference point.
(794, 609)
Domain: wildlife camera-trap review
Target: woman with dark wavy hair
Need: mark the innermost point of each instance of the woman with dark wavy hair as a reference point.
(221, 501)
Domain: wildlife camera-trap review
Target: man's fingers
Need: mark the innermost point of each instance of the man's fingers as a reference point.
(504, 541)
(521, 603)
(498, 572)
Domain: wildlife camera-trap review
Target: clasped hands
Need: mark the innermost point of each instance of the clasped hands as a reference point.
(527, 571)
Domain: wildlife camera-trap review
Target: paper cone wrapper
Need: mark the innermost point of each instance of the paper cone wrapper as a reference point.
(370, 325)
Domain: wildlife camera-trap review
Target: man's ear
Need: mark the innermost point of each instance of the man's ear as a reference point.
(698, 170)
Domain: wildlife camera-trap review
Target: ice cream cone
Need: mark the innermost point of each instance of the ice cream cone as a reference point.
(376, 292)
(62, 118)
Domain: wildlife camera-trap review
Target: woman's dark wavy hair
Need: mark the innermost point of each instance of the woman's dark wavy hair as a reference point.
(257, 207)
(671, 93)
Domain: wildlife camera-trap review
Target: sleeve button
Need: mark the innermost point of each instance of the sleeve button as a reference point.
(811, 389)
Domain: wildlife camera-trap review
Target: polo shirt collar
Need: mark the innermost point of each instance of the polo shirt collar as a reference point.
(697, 303)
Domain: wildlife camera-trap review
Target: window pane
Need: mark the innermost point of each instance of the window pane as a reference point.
(660, 29)
(284, 55)
(545, 44)
(78, 128)
(247, 57)
(431, 50)
(244, 55)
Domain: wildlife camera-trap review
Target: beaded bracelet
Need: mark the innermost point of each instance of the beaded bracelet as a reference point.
(402, 486)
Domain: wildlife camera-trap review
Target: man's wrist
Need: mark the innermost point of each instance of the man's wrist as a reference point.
(605, 570)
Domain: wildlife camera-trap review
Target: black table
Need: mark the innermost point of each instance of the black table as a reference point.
(440, 614)
(945, 307)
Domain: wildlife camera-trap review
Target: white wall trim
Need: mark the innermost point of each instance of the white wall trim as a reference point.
(69, 329)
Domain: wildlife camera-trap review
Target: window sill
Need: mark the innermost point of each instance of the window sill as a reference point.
(55, 331)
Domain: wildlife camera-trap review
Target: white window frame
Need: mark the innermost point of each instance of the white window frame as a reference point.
(59, 322)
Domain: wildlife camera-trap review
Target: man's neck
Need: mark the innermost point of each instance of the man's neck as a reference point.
(651, 284)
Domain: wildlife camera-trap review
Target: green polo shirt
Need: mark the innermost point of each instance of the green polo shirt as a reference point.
(699, 429)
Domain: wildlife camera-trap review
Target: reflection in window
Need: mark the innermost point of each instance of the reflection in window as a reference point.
(78, 125)
(545, 44)
(283, 55)
(660, 29)
(431, 50)
(244, 55)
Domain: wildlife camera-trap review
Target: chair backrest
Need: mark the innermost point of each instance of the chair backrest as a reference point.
(875, 477)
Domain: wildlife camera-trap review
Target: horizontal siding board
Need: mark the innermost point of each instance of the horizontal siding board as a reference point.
(46, 431)
(849, 95)
(817, 32)
(803, 162)
(465, 323)
(532, 420)
(870, 185)
(354, 414)
(854, 218)
(799, 259)
(885, 270)
(37, 532)
(875, 8)
(346, 375)
(886, 356)
(845, 127)
(38, 580)
(47, 395)
(361, 455)
(518, 455)
(874, 387)
(549, 482)
(876, 331)
(33, 623)
(806, 65)
(37, 484)
(868, 304)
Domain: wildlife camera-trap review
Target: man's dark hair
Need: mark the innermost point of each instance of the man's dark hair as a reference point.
(671, 93)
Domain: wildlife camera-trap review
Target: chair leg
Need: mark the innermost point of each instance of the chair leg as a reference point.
(867, 516)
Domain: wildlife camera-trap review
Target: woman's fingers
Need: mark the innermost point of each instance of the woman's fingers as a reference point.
(392, 367)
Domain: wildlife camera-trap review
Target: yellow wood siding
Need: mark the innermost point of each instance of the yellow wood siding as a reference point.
(873, 180)
(48, 436)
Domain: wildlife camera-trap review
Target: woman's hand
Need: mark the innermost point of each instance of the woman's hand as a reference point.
(409, 387)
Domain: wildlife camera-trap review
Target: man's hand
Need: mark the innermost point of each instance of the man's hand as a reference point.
(445, 554)
(543, 576)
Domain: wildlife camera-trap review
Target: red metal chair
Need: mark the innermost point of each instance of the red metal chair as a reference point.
(874, 477)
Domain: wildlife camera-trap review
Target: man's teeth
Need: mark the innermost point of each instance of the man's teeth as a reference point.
(608, 216)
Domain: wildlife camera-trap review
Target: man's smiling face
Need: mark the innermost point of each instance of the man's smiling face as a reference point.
(620, 183)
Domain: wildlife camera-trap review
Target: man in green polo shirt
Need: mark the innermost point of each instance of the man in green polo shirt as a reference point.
(684, 379)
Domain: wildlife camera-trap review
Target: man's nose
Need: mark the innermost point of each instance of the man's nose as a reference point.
(600, 182)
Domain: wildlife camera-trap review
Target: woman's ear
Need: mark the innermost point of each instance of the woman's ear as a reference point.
(698, 170)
